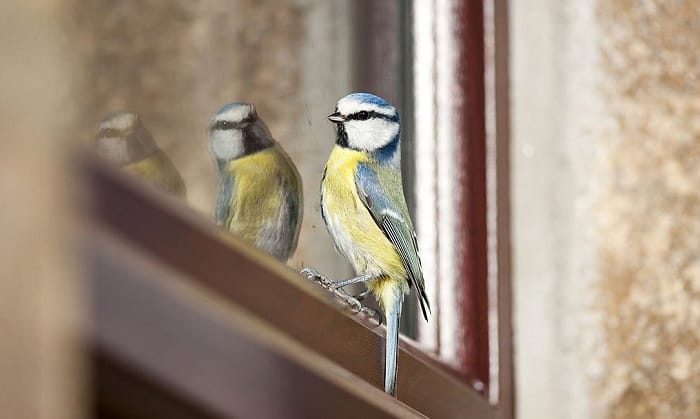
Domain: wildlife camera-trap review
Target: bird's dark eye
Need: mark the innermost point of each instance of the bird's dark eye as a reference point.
(224, 125)
(363, 115)
(108, 132)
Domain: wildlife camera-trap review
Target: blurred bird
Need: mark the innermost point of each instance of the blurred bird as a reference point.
(260, 192)
(363, 206)
(123, 140)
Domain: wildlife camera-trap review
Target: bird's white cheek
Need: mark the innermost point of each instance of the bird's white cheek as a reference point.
(372, 134)
(226, 144)
(114, 149)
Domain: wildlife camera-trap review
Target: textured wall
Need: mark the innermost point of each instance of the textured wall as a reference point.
(178, 62)
(650, 208)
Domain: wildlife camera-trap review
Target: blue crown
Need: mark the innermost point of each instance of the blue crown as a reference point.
(231, 105)
(369, 98)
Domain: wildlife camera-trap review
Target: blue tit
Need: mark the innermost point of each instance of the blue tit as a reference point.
(364, 208)
(123, 140)
(259, 196)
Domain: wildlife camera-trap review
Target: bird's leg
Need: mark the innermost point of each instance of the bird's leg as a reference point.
(356, 301)
(361, 296)
(353, 301)
(350, 281)
(313, 274)
(326, 283)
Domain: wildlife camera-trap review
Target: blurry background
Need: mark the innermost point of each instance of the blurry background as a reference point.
(41, 358)
(605, 173)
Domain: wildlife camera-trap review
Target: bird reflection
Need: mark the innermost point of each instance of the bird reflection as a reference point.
(259, 196)
(123, 140)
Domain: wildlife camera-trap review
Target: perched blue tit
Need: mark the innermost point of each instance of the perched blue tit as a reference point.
(259, 197)
(122, 139)
(364, 208)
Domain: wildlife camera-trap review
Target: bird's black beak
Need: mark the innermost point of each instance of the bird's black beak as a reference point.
(336, 118)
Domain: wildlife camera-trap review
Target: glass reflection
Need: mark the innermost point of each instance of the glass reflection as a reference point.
(259, 197)
(122, 139)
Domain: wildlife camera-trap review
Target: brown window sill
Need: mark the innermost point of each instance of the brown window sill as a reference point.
(182, 303)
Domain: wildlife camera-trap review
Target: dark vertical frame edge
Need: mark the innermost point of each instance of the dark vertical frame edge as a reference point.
(500, 54)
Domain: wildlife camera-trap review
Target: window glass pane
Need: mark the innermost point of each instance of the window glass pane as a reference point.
(176, 63)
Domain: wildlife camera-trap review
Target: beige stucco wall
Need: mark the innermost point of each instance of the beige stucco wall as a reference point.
(650, 209)
(177, 62)
(606, 173)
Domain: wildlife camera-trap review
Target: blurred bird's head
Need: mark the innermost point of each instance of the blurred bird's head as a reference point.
(235, 130)
(366, 122)
(122, 139)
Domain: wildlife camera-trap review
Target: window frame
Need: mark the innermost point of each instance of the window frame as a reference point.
(455, 145)
(163, 346)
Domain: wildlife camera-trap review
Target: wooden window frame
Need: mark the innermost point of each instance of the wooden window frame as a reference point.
(164, 346)
(450, 77)
(139, 241)
(462, 187)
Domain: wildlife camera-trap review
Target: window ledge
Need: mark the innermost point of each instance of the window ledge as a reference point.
(268, 307)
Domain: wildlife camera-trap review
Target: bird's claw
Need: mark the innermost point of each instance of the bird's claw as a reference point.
(361, 296)
(353, 302)
(313, 274)
(357, 308)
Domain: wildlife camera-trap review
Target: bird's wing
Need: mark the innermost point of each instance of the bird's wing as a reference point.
(222, 212)
(295, 206)
(282, 235)
(387, 206)
(172, 181)
(294, 201)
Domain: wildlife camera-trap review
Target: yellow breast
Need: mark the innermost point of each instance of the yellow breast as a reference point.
(255, 198)
(159, 171)
(353, 229)
(262, 182)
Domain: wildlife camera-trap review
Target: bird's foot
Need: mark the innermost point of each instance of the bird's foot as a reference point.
(314, 275)
(357, 308)
(361, 296)
(353, 302)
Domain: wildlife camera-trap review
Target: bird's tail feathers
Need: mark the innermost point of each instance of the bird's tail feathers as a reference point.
(392, 347)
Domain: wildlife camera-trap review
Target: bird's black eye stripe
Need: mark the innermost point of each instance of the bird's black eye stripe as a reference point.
(224, 125)
(365, 115)
(109, 132)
